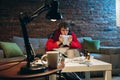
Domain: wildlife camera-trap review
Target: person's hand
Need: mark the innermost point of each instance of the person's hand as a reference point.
(61, 39)
(70, 39)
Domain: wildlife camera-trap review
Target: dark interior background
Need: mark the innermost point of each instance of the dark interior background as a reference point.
(94, 18)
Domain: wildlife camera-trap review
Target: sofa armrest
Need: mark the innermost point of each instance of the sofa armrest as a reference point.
(1, 54)
(113, 53)
(109, 50)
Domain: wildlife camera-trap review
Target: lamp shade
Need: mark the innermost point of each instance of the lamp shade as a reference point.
(53, 11)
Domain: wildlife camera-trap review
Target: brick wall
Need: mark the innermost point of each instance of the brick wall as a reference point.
(87, 18)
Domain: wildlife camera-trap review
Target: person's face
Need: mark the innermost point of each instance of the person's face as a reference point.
(64, 31)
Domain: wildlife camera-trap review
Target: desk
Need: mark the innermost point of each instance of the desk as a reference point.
(11, 71)
(96, 65)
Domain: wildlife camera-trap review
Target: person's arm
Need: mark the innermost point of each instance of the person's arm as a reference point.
(51, 44)
(75, 43)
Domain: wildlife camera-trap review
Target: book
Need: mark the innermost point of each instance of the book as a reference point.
(65, 42)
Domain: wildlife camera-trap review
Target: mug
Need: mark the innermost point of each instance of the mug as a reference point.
(52, 58)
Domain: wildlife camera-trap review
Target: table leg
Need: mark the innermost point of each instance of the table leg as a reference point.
(107, 75)
(87, 75)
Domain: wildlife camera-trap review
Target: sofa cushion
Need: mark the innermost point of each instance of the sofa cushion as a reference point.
(38, 44)
(91, 45)
(1, 54)
(20, 42)
(11, 49)
(41, 48)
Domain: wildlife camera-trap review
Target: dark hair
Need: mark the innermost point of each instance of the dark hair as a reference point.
(55, 34)
(64, 25)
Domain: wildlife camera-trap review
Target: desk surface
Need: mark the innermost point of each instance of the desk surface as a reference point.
(95, 65)
(11, 70)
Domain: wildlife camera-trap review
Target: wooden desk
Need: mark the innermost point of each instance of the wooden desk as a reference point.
(11, 71)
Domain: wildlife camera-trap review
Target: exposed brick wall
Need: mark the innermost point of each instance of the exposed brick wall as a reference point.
(87, 18)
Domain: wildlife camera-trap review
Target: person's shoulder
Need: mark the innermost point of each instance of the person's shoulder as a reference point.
(72, 33)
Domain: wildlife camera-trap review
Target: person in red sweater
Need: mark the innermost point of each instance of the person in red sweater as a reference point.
(56, 41)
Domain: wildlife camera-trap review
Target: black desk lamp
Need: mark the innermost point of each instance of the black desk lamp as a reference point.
(53, 14)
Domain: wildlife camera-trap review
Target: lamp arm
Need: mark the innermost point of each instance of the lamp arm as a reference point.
(39, 11)
(24, 20)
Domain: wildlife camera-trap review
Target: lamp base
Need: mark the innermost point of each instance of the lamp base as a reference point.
(33, 69)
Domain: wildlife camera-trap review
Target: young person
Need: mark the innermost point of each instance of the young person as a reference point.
(55, 40)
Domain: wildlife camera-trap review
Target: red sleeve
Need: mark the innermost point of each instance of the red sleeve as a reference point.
(50, 44)
(75, 43)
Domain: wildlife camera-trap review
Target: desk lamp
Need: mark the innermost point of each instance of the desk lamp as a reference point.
(52, 7)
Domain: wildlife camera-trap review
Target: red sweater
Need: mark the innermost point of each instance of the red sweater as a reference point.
(51, 42)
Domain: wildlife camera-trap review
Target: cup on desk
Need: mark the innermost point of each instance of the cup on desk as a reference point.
(52, 58)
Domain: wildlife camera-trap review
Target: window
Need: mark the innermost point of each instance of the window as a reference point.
(118, 12)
